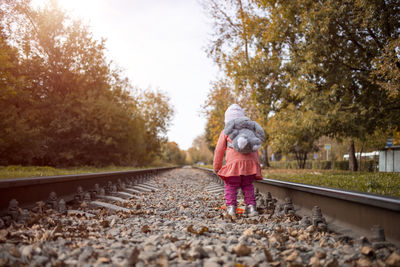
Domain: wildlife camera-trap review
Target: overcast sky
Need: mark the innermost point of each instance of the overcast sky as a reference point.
(160, 44)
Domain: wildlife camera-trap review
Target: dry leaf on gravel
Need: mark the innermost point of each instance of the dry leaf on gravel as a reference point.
(242, 250)
(368, 251)
(332, 263)
(314, 262)
(268, 255)
(145, 229)
(26, 252)
(102, 260)
(249, 232)
(14, 252)
(362, 262)
(275, 263)
(3, 235)
(393, 260)
(203, 230)
(104, 223)
(293, 256)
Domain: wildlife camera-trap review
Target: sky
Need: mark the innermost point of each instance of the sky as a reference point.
(160, 44)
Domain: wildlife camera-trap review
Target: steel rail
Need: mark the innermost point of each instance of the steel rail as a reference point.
(346, 212)
(28, 191)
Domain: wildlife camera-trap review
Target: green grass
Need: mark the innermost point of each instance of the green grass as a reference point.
(15, 171)
(379, 183)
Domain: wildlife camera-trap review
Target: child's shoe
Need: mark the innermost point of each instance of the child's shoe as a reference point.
(231, 210)
(251, 211)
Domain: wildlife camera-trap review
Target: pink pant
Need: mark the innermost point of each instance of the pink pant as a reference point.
(233, 183)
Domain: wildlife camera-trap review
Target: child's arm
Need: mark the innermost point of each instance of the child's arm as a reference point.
(219, 152)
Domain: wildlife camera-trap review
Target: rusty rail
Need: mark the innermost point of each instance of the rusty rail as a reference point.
(28, 191)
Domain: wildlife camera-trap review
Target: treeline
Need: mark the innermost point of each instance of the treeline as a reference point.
(62, 103)
(308, 69)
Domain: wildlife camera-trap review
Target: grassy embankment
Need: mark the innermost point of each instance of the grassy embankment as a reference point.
(36, 171)
(370, 182)
(379, 183)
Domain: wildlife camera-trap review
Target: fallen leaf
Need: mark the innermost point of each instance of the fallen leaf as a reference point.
(320, 254)
(314, 262)
(242, 250)
(203, 230)
(249, 231)
(368, 251)
(103, 260)
(292, 256)
(362, 262)
(3, 235)
(104, 223)
(393, 260)
(275, 263)
(145, 229)
(268, 255)
(14, 252)
(332, 263)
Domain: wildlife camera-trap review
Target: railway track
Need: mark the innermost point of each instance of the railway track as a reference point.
(28, 191)
(349, 213)
(173, 217)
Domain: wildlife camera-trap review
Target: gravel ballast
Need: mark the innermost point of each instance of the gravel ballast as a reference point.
(181, 224)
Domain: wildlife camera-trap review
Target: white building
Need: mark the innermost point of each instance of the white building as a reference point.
(389, 159)
(369, 155)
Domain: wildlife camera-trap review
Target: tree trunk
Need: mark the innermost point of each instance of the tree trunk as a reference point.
(304, 160)
(353, 166)
(265, 160)
(360, 158)
(301, 158)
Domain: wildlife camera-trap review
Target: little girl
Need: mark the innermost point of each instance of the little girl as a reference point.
(240, 170)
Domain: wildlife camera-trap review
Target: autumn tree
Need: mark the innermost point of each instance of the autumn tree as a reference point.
(199, 151)
(333, 58)
(71, 106)
(157, 114)
(296, 131)
(172, 154)
(18, 136)
(218, 100)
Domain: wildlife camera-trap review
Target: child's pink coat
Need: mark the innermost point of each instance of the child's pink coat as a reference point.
(236, 163)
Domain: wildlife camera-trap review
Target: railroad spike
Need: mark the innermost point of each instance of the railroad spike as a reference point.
(378, 234)
(109, 187)
(62, 207)
(87, 197)
(288, 207)
(260, 200)
(269, 197)
(96, 189)
(305, 221)
(102, 192)
(52, 201)
(318, 220)
(79, 194)
(13, 209)
(24, 216)
(119, 185)
(114, 189)
(278, 208)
